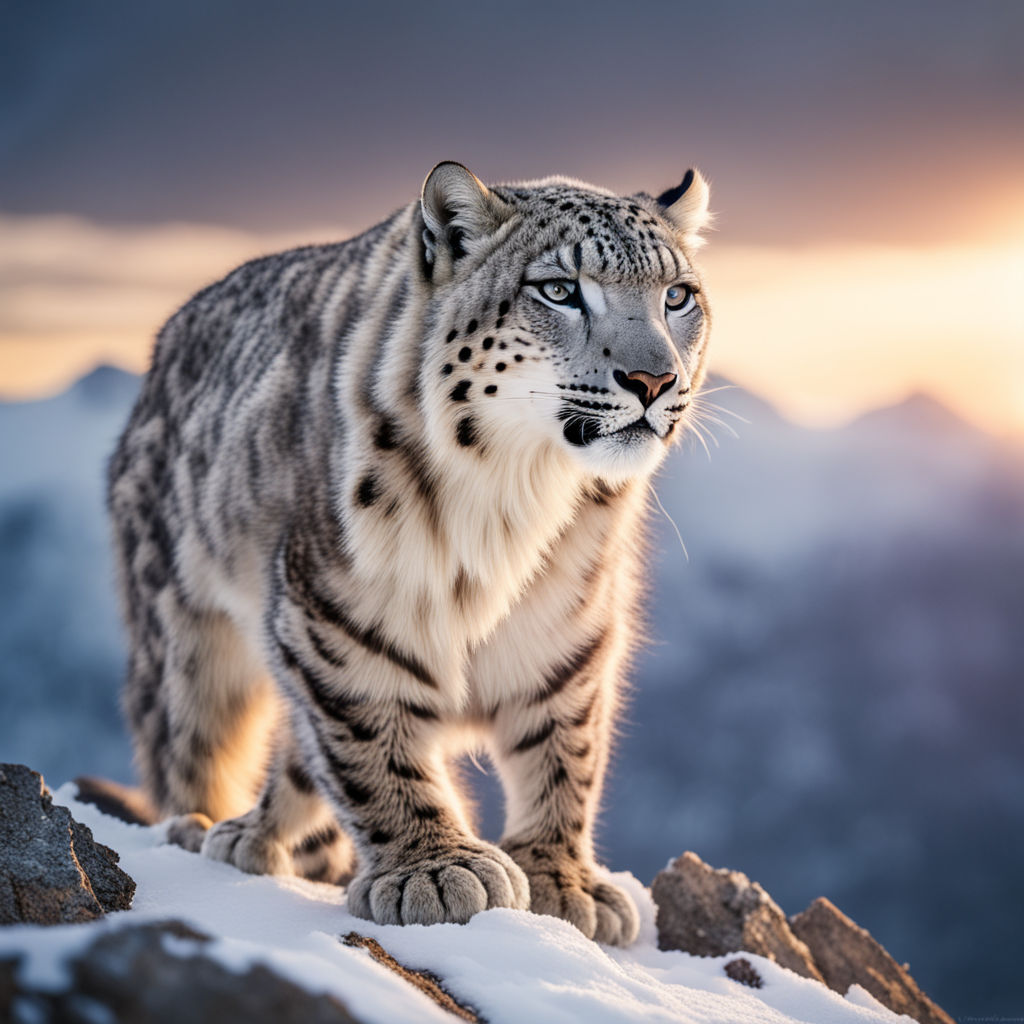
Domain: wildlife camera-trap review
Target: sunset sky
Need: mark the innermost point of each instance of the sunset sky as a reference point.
(866, 160)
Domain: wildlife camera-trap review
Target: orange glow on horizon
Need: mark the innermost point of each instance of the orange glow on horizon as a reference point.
(824, 332)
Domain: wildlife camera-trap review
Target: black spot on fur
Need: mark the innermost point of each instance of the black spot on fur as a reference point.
(385, 436)
(491, 389)
(503, 307)
(356, 793)
(368, 491)
(487, 343)
(459, 392)
(464, 353)
(378, 836)
(299, 779)
(446, 369)
(500, 367)
(452, 335)
(466, 432)
(460, 588)
(361, 732)
(471, 327)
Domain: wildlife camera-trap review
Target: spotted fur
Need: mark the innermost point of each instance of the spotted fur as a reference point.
(380, 502)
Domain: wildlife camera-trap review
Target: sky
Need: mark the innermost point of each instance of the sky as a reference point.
(866, 161)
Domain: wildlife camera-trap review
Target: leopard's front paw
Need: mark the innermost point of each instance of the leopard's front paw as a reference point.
(563, 887)
(449, 886)
(239, 841)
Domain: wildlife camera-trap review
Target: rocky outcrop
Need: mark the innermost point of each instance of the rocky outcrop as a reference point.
(846, 954)
(52, 871)
(711, 912)
(429, 984)
(159, 974)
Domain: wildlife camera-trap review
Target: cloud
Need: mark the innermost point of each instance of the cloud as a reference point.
(74, 293)
(825, 331)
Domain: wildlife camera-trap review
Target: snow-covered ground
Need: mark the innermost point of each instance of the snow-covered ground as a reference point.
(509, 965)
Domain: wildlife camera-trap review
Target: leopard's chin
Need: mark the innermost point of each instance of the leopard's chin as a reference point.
(632, 451)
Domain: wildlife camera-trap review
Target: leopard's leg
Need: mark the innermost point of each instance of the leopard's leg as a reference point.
(201, 708)
(419, 862)
(367, 716)
(290, 830)
(551, 750)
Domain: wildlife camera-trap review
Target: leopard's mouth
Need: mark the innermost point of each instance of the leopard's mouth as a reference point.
(582, 430)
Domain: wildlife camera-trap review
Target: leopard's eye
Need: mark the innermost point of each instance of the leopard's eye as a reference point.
(560, 292)
(679, 299)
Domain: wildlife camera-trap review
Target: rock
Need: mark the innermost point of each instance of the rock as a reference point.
(159, 974)
(52, 871)
(711, 912)
(846, 954)
(429, 984)
(743, 971)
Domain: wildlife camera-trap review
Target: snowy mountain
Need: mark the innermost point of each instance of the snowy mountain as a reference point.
(509, 966)
(831, 701)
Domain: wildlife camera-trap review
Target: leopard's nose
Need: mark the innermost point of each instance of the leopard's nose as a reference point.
(646, 386)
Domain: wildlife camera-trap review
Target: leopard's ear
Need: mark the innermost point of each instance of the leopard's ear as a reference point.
(686, 207)
(458, 211)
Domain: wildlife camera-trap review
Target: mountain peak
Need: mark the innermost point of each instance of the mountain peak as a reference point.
(920, 412)
(105, 384)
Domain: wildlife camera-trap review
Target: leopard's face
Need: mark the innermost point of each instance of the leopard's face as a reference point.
(598, 338)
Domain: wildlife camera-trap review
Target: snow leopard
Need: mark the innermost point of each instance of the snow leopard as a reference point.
(381, 502)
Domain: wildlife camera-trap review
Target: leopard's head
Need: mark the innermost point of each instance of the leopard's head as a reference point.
(566, 315)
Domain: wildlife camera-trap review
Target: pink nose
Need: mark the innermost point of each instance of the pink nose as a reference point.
(646, 386)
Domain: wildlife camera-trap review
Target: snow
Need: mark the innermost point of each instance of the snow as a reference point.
(510, 966)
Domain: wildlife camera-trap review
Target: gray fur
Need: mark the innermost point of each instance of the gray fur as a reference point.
(379, 502)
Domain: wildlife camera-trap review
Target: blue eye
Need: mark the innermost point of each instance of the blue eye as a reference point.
(679, 299)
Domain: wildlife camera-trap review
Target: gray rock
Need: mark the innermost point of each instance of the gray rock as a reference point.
(711, 912)
(159, 974)
(52, 871)
(846, 954)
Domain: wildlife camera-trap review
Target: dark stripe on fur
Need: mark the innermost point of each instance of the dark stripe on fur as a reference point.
(317, 840)
(323, 651)
(405, 771)
(564, 673)
(332, 705)
(534, 739)
(370, 638)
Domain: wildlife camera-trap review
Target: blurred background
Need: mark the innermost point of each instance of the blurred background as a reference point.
(832, 699)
